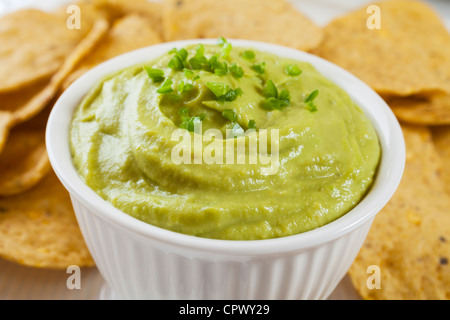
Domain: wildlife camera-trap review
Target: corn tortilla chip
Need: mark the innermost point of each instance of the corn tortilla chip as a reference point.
(408, 55)
(410, 238)
(128, 33)
(274, 21)
(24, 161)
(38, 228)
(44, 96)
(34, 45)
(430, 111)
(441, 139)
(5, 124)
(117, 9)
(15, 99)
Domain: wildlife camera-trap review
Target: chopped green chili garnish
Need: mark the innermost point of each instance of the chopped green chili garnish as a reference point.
(175, 63)
(310, 101)
(312, 96)
(270, 90)
(155, 74)
(236, 71)
(223, 92)
(251, 124)
(226, 47)
(199, 61)
(219, 68)
(274, 104)
(190, 74)
(218, 88)
(248, 55)
(236, 129)
(259, 67)
(213, 64)
(221, 41)
(184, 86)
(166, 87)
(284, 96)
(181, 53)
(231, 95)
(226, 50)
(230, 115)
(312, 107)
(188, 122)
(275, 100)
(292, 70)
(178, 61)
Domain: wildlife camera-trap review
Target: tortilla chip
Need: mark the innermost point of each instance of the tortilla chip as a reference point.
(264, 20)
(128, 33)
(24, 161)
(441, 139)
(117, 9)
(424, 111)
(38, 228)
(48, 92)
(408, 55)
(5, 123)
(15, 99)
(410, 238)
(34, 45)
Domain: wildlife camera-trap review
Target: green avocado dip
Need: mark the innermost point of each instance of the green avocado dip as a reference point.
(320, 163)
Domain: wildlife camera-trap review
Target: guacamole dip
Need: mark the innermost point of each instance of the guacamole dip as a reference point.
(309, 153)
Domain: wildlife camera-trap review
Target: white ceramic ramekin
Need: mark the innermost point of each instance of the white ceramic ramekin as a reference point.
(141, 261)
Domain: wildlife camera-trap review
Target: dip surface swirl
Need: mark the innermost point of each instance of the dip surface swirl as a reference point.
(122, 144)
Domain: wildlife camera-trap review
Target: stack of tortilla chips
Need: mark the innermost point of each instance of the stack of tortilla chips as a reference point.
(407, 61)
